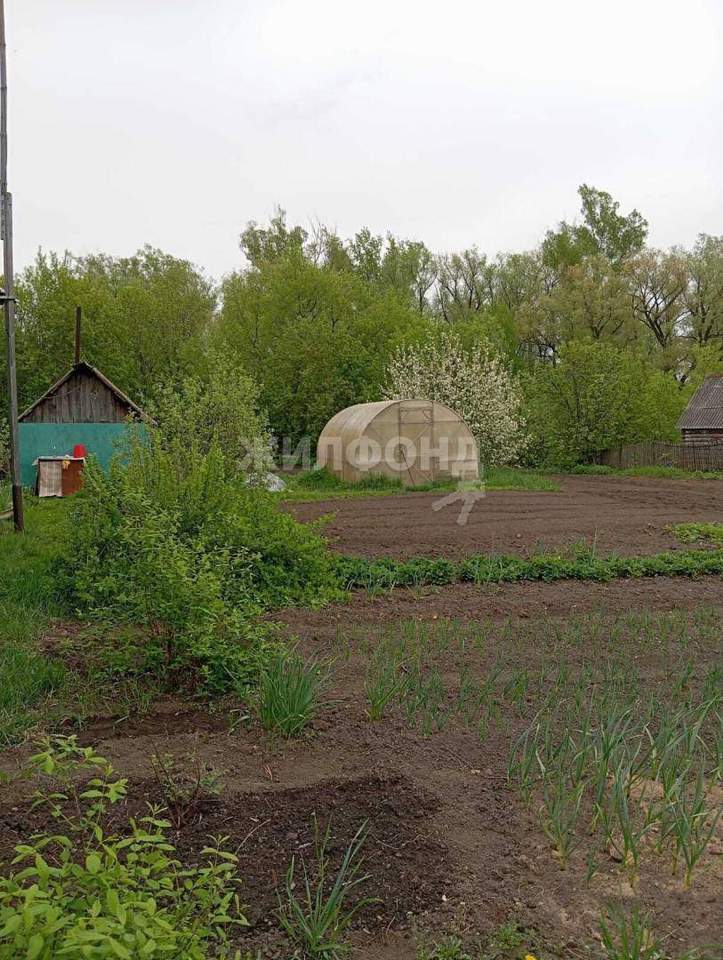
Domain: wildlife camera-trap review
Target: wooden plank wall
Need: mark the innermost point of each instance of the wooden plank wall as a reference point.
(706, 457)
(81, 399)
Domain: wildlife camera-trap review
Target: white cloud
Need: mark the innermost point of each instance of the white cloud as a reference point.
(175, 121)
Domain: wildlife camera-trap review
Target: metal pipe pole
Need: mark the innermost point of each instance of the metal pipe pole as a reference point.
(6, 229)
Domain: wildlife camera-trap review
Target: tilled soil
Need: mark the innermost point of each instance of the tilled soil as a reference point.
(484, 602)
(450, 845)
(627, 515)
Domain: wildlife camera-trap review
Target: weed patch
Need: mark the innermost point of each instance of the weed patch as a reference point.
(358, 572)
(697, 532)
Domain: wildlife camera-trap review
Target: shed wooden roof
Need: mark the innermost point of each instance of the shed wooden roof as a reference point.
(705, 410)
(84, 370)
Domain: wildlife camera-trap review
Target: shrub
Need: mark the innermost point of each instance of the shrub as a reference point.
(167, 540)
(222, 409)
(84, 892)
(183, 793)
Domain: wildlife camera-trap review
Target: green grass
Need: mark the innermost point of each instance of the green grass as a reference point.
(322, 485)
(508, 941)
(26, 678)
(591, 470)
(660, 473)
(515, 478)
(669, 473)
(28, 602)
(27, 560)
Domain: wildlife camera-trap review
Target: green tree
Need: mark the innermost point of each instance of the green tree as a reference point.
(704, 292)
(658, 283)
(315, 330)
(598, 396)
(604, 231)
(590, 299)
(145, 319)
(263, 244)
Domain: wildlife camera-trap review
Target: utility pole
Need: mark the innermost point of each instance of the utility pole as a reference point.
(8, 294)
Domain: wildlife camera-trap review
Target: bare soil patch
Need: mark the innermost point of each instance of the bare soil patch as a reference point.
(627, 515)
(483, 602)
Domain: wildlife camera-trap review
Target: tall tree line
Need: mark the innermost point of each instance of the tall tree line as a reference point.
(315, 319)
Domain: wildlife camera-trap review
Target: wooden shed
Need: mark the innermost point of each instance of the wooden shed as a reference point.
(702, 421)
(82, 408)
(416, 441)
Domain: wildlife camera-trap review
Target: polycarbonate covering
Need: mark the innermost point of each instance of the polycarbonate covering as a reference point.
(417, 441)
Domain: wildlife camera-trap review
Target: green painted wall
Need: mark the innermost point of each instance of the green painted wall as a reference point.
(56, 439)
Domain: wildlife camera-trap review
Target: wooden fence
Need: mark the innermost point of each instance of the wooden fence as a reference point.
(705, 456)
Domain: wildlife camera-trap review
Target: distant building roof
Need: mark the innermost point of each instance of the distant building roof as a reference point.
(705, 410)
(85, 369)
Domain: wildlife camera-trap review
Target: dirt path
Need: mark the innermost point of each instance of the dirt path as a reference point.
(620, 514)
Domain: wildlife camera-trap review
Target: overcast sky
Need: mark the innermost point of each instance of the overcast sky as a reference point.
(173, 122)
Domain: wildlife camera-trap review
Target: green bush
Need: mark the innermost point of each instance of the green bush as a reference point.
(168, 541)
(220, 408)
(82, 892)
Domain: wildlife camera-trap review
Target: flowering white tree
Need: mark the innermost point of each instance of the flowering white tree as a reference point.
(477, 387)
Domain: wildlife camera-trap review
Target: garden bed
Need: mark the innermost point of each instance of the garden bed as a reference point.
(452, 845)
(622, 514)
